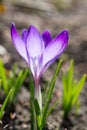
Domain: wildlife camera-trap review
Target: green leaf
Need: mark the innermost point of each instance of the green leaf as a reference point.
(70, 74)
(32, 110)
(50, 92)
(3, 77)
(37, 108)
(68, 87)
(52, 107)
(78, 88)
(18, 82)
(45, 91)
(71, 89)
(12, 77)
(5, 103)
(38, 114)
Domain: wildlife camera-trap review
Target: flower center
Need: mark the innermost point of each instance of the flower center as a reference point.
(35, 66)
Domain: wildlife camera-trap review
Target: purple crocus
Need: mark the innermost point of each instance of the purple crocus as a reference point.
(39, 51)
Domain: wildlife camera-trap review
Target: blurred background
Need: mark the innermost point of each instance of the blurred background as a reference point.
(54, 15)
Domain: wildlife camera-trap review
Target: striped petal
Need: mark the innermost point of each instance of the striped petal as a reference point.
(18, 42)
(46, 37)
(24, 35)
(55, 48)
(35, 44)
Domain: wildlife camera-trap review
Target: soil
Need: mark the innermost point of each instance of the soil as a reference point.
(46, 15)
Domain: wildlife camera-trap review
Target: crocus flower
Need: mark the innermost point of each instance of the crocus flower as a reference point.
(39, 50)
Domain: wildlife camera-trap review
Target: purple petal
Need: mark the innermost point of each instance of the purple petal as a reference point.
(35, 44)
(24, 35)
(18, 42)
(55, 48)
(46, 37)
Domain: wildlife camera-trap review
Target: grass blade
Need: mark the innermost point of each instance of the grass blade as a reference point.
(52, 107)
(50, 92)
(79, 88)
(19, 81)
(3, 77)
(5, 103)
(33, 115)
(38, 115)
